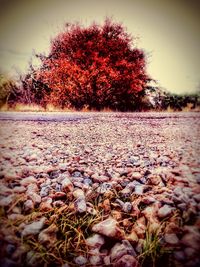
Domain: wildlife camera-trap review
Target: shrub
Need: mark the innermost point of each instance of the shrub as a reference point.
(95, 66)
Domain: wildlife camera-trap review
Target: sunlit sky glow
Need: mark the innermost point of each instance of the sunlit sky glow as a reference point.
(168, 31)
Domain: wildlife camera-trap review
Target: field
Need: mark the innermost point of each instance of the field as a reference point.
(100, 189)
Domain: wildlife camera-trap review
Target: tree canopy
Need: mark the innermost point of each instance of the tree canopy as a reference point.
(96, 66)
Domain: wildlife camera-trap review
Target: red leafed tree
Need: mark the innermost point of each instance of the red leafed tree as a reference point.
(97, 66)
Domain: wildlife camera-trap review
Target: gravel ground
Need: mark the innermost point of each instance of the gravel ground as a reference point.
(100, 189)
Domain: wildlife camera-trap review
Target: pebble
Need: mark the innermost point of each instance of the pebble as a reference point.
(171, 239)
(165, 211)
(126, 261)
(48, 236)
(136, 175)
(19, 189)
(44, 191)
(80, 205)
(78, 193)
(109, 228)
(121, 249)
(34, 197)
(46, 205)
(80, 260)
(139, 189)
(95, 241)
(28, 180)
(127, 207)
(28, 205)
(95, 259)
(34, 228)
(67, 185)
(6, 201)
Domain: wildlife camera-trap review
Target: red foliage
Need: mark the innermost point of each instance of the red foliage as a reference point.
(95, 66)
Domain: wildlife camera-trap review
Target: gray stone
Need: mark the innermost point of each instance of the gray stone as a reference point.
(136, 175)
(6, 201)
(80, 205)
(165, 211)
(28, 180)
(139, 190)
(171, 239)
(121, 249)
(28, 205)
(103, 188)
(127, 207)
(67, 185)
(109, 227)
(126, 261)
(35, 198)
(80, 260)
(34, 228)
(48, 237)
(95, 241)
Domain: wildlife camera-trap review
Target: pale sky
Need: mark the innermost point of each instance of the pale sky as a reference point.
(168, 30)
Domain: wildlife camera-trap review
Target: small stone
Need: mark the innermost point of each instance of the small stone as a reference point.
(95, 259)
(109, 227)
(95, 241)
(6, 201)
(87, 182)
(32, 188)
(67, 185)
(140, 227)
(126, 192)
(58, 203)
(139, 190)
(106, 205)
(19, 189)
(189, 252)
(28, 205)
(59, 195)
(127, 207)
(34, 228)
(126, 261)
(171, 239)
(46, 205)
(78, 193)
(28, 180)
(106, 260)
(148, 200)
(179, 255)
(35, 198)
(197, 198)
(132, 237)
(4, 190)
(48, 236)
(136, 175)
(117, 215)
(121, 249)
(103, 188)
(80, 205)
(165, 211)
(44, 191)
(191, 240)
(80, 260)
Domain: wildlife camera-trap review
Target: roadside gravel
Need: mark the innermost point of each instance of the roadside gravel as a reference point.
(139, 172)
